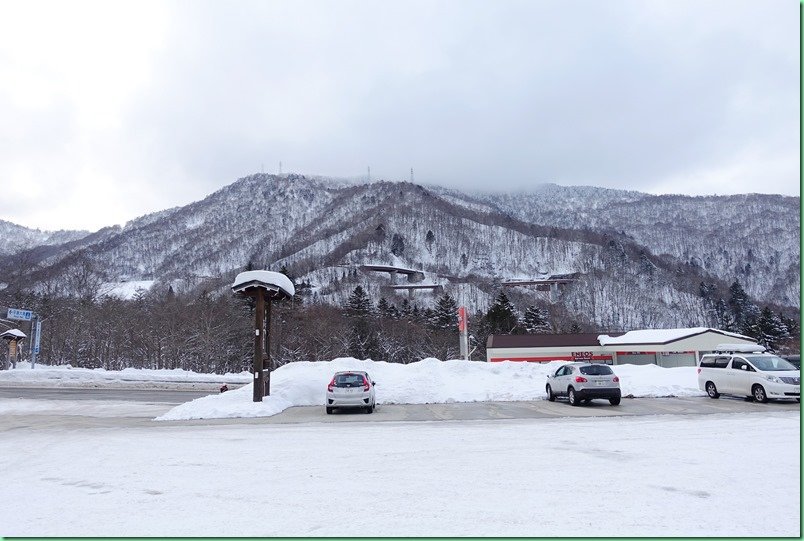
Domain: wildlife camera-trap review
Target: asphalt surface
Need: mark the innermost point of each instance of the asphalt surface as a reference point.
(162, 401)
(126, 395)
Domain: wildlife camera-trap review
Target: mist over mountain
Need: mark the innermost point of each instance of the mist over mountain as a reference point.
(638, 260)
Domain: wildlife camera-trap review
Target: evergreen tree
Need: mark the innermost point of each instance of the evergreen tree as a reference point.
(405, 309)
(502, 317)
(771, 329)
(397, 245)
(445, 315)
(535, 320)
(724, 316)
(739, 303)
(429, 239)
(427, 316)
(750, 321)
(387, 310)
(791, 325)
(359, 304)
(383, 307)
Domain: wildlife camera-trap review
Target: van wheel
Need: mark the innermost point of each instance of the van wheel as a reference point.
(550, 396)
(711, 390)
(759, 393)
(329, 411)
(573, 398)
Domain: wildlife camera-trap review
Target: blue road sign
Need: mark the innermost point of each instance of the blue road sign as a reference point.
(16, 313)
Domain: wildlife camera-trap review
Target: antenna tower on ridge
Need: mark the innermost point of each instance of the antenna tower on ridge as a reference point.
(411, 174)
(280, 168)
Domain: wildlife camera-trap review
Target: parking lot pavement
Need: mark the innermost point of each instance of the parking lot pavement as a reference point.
(531, 409)
(459, 411)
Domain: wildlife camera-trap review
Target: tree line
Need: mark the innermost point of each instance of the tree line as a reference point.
(212, 332)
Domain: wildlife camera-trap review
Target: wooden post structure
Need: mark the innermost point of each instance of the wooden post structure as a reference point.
(268, 364)
(265, 287)
(259, 340)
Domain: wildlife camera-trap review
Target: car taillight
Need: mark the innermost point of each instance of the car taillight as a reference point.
(331, 385)
(580, 379)
(365, 385)
(616, 379)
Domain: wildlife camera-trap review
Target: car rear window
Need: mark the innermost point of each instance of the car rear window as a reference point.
(596, 370)
(349, 380)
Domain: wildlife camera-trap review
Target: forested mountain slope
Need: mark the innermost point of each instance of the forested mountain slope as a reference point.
(640, 259)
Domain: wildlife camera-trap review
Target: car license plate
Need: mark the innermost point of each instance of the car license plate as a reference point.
(601, 383)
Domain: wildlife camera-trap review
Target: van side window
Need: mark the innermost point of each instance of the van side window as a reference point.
(738, 364)
(722, 362)
(708, 362)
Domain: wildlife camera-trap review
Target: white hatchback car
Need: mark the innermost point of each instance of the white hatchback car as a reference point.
(748, 371)
(352, 389)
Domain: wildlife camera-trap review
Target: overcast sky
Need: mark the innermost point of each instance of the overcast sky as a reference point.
(110, 110)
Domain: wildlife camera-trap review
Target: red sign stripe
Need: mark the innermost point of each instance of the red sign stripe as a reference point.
(553, 358)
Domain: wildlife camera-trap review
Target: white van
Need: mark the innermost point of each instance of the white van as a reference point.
(748, 371)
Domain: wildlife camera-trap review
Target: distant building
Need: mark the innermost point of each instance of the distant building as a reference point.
(663, 347)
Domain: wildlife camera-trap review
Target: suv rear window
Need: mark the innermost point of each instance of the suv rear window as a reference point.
(596, 370)
(349, 380)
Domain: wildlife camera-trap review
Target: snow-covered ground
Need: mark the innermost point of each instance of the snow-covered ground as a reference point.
(304, 383)
(130, 378)
(662, 475)
(685, 475)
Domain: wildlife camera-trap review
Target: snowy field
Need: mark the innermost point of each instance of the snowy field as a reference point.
(685, 475)
(661, 475)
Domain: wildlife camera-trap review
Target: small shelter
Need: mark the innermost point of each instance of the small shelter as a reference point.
(264, 286)
(13, 337)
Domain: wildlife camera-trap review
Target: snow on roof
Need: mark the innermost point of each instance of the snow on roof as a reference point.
(13, 334)
(268, 279)
(742, 348)
(661, 336)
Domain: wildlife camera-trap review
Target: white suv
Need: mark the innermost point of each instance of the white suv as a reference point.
(748, 371)
(583, 381)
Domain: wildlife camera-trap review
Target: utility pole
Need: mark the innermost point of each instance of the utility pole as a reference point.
(368, 177)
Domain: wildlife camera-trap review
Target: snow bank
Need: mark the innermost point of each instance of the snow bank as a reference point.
(424, 382)
(129, 378)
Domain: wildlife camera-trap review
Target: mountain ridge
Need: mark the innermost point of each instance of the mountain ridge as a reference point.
(661, 247)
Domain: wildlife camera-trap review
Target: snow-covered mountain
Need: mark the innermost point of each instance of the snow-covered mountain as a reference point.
(16, 238)
(640, 258)
(753, 238)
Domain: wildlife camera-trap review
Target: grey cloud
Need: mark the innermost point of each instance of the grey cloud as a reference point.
(622, 94)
